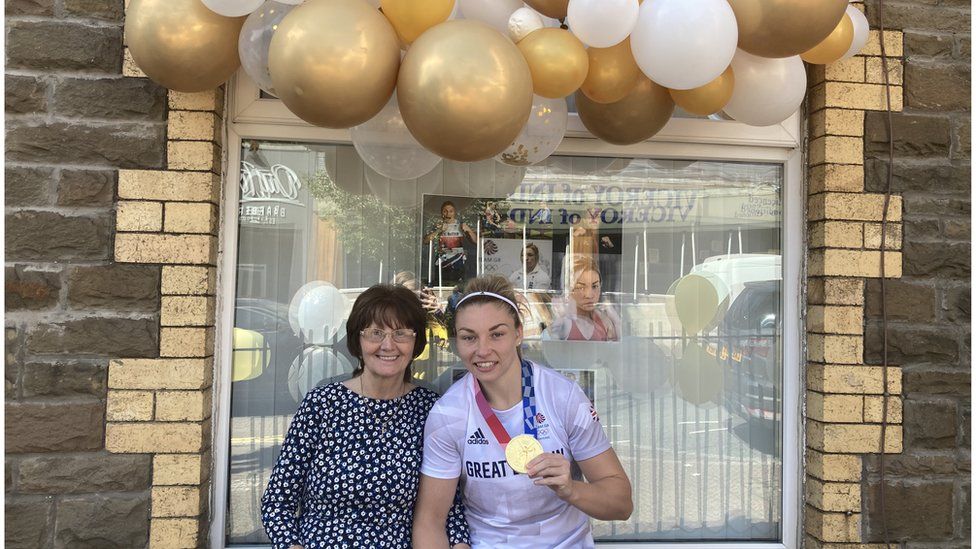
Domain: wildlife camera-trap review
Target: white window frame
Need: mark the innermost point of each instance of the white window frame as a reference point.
(248, 116)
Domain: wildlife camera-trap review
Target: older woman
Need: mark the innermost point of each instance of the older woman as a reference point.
(349, 467)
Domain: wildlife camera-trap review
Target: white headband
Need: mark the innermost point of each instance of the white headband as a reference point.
(487, 294)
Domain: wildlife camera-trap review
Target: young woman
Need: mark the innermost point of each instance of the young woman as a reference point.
(349, 467)
(587, 319)
(503, 404)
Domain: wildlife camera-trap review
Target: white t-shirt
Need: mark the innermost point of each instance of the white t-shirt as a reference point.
(504, 508)
(536, 280)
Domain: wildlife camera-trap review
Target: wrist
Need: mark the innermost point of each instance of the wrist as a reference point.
(570, 495)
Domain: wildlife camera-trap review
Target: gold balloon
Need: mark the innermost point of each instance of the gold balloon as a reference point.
(707, 99)
(834, 46)
(181, 44)
(557, 59)
(612, 73)
(334, 62)
(411, 18)
(698, 374)
(636, 117)
(550, 8)
(783, 28)
(701, 300)
(465, 92)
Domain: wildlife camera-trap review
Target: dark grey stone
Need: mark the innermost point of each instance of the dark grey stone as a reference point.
(930, 423)
(119, 144)
(911, 343)
(31, 288)
(915, 135)
(37, 235)
(950, 260)
(916, 175)
(25, 95)
(905, 300)
(946, 17)
(13, 359)
(957, 304)
(64, 379)
(104, 522)
(920, 44)
(123, 98)
(90, 188)
(84, 473)
(916, 510)
(931, 380)
(27, 186)
(63, 45)
(54, 426)
(111, 10)
(112, 337)
(917, 463)
(27, 521)
(28, 7)
(119, 287)
(937, 87)
(962, 138)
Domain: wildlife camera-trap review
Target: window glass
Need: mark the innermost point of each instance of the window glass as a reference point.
(654, 284)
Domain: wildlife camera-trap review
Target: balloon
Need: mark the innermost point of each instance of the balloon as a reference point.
(767, 91)
(411, 18)
(320, 313)
(636, 117)
(464, 91)
(707, 99)
(541, 135)
(523, 22)
(602, 23)
(296, 2)
(550, 8)
(181, 44)
(334, 63)
(698, 375)
(494, 12)
(385, 144)
(861, 31)
(783, 28)
(612, 74)
(255, 41)
(684, 44)
(700, 299)
(557, 60)
(834, 46)
(233, 8)
(313, 366)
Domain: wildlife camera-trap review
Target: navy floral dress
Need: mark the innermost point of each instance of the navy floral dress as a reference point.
(348, 473)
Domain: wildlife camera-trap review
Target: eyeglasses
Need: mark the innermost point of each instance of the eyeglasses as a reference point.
(377, 336)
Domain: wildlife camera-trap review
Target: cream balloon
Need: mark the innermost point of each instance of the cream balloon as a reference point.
(767, 91)
(494, 12)
(684, 44)
(636, 117)
(612, 73)
(233, 8)
(602, 23)
(861, 31)
(541, 135)
(557, 60)
(784, 28)
(182, 45)
(255, 41)
(700, 300)
(464, 91)
(385, 144)
(550, 8)
(334, 62)
(698, 376)
(523, 22)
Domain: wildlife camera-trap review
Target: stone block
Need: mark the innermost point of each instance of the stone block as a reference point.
(116, 287)
(29, 7)
(833, 467)
(836, 349)
(27, 186)
(109, 10)
(859, 263)
(193, 155)
(174, 533)
(909, 343)
(104, 521)
(893, 39)
(924, 203)
(165, 248)
(835, 319)
(835, 408)
(935, 380)
(186, 342)
(187, 311)
(917, 464)
(30, 288)
(923, 44)
(957, 229)
(937, 86)
(836, 150)
(175, 501)
(836, 177)
(129, 406)
(912, 300)
(40, 236)
(183, 373)
(840, 122)
(916, 135)
(872, 236)
(836, 234)
(52, 45)
(872, 409)
(956, 304)
(145, 438)
(833, 496)
(853, 207)
(868, 97)
(69, 378)
(836, 291)
(183, 405)
(122, 144)
(102, 336)
(84, 473)
(129, 67)
(136, 216)
(118, 97)
(27, 521)
(193, 126)
(915, 175)
(54, 426)
(845, 70)
(832, 527)
(931, 423)
(25, 95)
(961, 138)
(177, 469)
(874, 72)
(86, 188)
(916, 510)
(168, 186)
(950, 260)
(191, 217)
(858, 380)
(211, 100)
(852, 438)
(184, 280)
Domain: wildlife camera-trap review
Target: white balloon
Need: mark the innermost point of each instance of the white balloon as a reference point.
(861, 31)
(522, 22)
(541, 135)
(493, 12)
(602, 23)
(767, 91)
(233, 8)
(684, 44)
(320, 314)
(313, 366)
(296, 2)
(255, 41)
(386, 145)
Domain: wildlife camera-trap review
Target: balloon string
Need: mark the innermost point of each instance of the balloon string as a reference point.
(563, 25)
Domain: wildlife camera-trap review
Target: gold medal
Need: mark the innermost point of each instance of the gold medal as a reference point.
(520, 451)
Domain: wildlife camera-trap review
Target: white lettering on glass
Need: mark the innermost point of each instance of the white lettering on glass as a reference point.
(279, 183)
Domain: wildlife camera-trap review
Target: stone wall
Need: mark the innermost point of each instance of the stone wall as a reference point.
(72, 121)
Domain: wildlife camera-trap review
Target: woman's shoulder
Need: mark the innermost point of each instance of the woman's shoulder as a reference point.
(552, 380)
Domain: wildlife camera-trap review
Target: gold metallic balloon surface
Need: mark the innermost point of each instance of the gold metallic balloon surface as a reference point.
(636, 117)
(411, 18)
(334, 62)
(707, 99)
(612, 73)
(698, 374)
(783, 28)
(557, 59)
(464, 90)
(181, 44)
(834, 46)
(550, 8)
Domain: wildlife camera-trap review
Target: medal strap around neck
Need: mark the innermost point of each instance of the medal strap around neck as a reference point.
(528, 407)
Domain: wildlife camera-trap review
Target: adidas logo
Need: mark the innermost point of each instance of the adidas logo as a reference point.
(478, 437)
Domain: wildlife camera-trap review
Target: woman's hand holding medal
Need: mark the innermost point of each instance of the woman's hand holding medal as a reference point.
(552, 470)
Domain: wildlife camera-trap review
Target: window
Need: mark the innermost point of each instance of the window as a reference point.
(696, 382)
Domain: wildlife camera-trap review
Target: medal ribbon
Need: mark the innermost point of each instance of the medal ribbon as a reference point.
(528, 408)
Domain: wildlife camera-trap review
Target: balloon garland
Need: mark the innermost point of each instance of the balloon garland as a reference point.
(489, 78)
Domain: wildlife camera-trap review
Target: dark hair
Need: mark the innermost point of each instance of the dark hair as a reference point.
(493, 284)
(391, 306)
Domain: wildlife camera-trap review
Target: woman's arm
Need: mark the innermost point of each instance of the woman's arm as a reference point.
(458, 533)
(434, 501)
(605, 495)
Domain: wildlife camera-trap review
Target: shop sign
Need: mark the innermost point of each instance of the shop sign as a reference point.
(268, 195)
